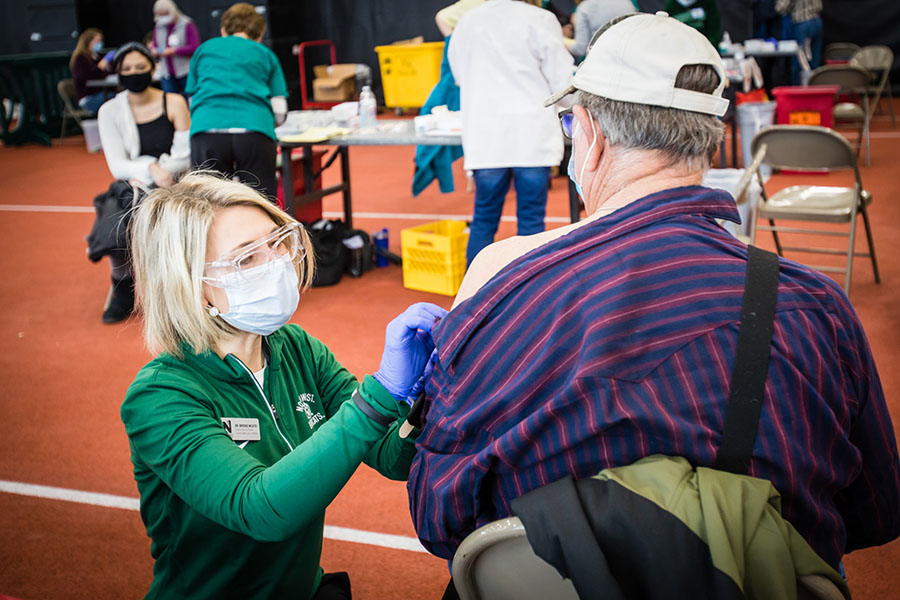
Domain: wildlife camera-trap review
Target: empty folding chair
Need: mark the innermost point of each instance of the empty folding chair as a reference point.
(839, 51)
(71, 110)
(877, 60)
(854, 83)
(802, 147)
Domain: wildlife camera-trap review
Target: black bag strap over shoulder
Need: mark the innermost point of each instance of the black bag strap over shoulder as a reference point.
(751, 364)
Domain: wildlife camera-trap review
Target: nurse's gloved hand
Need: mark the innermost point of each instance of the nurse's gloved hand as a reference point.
(407, 348)
(422, 381)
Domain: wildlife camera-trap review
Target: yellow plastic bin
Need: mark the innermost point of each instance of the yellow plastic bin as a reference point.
(409, 72)
(434, 256)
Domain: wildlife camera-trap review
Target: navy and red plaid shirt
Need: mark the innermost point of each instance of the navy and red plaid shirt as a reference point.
(616, 341)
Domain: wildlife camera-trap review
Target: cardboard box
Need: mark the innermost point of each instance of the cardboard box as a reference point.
(334, 83)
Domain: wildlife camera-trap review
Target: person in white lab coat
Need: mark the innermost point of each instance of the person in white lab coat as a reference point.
(507, 56)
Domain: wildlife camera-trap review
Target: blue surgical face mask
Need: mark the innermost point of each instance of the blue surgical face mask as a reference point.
(97, 47)
(265, 304)
(570, 170)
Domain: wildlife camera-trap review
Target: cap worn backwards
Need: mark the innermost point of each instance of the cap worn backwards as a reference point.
(638, 60)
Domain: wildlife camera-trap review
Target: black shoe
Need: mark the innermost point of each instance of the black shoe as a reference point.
(120, 302)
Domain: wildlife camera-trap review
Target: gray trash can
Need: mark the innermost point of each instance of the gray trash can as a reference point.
(752, 117)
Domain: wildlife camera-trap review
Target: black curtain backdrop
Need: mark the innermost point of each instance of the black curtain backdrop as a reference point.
(357, 26)
(354, 26)
(867, 23)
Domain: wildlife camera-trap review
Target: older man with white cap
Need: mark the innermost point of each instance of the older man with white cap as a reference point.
(609, 340)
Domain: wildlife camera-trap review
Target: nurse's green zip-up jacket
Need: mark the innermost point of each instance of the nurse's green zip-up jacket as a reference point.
(230, 519)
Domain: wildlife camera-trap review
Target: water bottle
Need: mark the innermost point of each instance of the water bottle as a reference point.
(367, 109)
(725, 44)
(380, 239)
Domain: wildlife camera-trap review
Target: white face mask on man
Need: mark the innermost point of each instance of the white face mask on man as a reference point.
(263, 305)
(571, 167)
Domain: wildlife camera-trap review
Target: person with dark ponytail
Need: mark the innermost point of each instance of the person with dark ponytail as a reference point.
(144, 133)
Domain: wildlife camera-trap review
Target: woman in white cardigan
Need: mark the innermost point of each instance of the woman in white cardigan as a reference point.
(145, 138)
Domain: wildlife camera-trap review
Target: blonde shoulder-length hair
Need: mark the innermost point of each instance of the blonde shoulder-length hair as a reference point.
(169, 232)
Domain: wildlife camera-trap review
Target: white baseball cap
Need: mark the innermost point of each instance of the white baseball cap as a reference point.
(637, 60)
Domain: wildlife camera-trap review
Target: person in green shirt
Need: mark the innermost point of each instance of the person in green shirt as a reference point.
(244, 428)
(702, 15)
(238, 96)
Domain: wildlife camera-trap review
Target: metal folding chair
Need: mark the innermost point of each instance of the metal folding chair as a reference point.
(496, 562)
(802, 147)
(71, 110)
(839, 51)
(853, 82)
(878, 61)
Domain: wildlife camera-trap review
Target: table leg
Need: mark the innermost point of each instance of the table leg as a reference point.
(287, 180)
(345, 178)
(308, 185)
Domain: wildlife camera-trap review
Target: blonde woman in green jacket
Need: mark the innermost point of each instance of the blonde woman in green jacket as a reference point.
(243, 429)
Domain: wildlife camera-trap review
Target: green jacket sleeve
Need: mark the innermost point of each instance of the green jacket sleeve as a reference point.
(391, 456)
(174, 433)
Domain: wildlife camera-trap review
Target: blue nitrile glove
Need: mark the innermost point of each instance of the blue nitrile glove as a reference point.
(407, 348)
(422, 381)
(110, 56)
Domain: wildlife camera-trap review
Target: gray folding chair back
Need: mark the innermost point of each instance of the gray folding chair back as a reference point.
(849, 77)
(840, 50)
(71, 110)
(853, 80)
(496, 562)
(878, 60)
(743, 185)
(806, 148)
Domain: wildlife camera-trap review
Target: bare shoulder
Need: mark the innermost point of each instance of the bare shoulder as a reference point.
(498, 255)
(178, 110)
(176, 101)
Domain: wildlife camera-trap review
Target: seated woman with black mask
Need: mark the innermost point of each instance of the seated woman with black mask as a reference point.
(145, 139)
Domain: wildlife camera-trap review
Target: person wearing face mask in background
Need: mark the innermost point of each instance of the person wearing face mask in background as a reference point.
(144, 133)
(175, 38)
(244, 428)
(87, 63)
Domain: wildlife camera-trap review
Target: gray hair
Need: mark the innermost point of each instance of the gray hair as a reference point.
(683, 137)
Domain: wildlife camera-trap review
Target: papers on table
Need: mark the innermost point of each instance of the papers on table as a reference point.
(315, 134)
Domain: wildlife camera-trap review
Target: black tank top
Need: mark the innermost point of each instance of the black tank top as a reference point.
(156, 135)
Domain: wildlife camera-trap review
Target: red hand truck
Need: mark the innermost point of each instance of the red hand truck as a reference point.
(305, 102)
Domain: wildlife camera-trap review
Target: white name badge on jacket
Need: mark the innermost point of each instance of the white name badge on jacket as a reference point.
(241, 430)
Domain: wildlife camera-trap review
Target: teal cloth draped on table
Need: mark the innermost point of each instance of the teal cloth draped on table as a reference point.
(436, 162)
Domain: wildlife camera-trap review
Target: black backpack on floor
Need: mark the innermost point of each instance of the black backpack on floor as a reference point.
(331, 254)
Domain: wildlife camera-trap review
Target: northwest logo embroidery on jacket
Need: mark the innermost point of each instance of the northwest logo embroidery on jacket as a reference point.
(303, 405)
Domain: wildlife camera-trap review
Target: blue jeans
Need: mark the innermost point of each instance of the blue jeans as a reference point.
(808, 30)
(491, 186)
(174, 85)
(93, 102)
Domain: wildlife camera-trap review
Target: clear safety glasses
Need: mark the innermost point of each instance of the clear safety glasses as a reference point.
(567, 122)
(254, 261)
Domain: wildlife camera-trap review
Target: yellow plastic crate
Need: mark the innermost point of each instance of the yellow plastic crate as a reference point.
(409, 72)
(434, 256)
